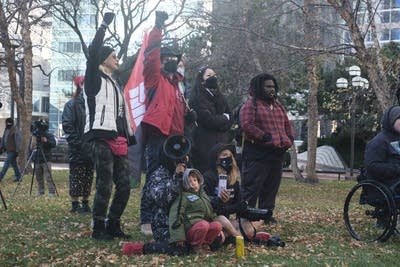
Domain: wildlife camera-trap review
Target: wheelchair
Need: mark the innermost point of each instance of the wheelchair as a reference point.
(371, 210)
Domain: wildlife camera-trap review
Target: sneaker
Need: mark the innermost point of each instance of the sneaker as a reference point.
(52, 194)
(146, 229)
(38, 194)
(84, 208)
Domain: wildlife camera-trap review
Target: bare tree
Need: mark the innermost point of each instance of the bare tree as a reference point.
(131, 16)
(311, 37)
(350, 12)
(19, 17)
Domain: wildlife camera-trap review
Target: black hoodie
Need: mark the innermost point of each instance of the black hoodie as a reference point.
(381, 158)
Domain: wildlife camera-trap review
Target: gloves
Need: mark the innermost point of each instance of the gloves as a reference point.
(191, 116)
(161, 17)
(107, 19)
(267, 137)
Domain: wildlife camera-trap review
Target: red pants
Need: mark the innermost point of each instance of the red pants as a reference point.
(203, 232)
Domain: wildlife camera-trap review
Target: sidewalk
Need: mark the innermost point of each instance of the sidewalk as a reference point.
(54, 166)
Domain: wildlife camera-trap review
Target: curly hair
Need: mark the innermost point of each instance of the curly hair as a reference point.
(257, 84)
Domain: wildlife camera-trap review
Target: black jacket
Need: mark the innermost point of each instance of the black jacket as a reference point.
(73, 122)
(40, 149)
(381, 158)
(212, 127)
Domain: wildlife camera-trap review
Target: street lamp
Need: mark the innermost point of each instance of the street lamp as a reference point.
(357, 83)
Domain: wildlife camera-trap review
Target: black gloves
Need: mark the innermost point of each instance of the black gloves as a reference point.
(161, 17)
(191, 116)
(267, 137)
(107, 19)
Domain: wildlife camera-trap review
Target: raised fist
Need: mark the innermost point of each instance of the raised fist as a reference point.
(161, 17)
(107, 18)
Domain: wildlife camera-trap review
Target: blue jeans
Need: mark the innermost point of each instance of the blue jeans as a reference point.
(11, 159)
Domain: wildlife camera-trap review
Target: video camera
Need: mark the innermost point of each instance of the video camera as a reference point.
(253, 214)
(39, 127)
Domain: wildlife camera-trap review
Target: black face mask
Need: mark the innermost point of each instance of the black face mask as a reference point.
(211, 83)
(225, 163)
(171, 66)
(8, 126)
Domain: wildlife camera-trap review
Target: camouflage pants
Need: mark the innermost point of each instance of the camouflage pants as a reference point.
(109, 169)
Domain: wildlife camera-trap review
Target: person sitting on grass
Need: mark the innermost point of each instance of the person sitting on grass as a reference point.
(192, 222)
(227, 201)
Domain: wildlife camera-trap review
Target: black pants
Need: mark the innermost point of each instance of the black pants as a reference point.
(260, 181)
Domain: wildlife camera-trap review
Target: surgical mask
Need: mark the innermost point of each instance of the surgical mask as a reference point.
(226, 163)
(211, 83)
(171, 66)
(181, 71)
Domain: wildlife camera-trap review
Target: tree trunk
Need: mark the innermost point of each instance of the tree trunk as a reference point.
(298, 176)
(311, 36)
(369, 58)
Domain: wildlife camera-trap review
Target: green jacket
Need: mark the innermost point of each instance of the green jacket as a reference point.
(195, 206)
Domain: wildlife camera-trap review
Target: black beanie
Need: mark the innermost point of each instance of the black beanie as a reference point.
(103, 53)
(394, 115)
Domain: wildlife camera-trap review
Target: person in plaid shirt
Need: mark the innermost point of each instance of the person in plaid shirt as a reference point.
(267, 135)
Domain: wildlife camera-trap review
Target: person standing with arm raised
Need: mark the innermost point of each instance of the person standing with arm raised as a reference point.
(109, 133)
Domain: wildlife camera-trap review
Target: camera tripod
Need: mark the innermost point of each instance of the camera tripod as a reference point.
(3, 200)
(37, 152)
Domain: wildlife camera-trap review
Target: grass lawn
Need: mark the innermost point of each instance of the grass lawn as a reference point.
(38, 231)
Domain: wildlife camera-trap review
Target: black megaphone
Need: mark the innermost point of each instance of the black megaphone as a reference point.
(176, 147)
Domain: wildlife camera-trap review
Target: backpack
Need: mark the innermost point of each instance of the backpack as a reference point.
(238, 132)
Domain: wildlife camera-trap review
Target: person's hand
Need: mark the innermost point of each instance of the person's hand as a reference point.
(107, 19)
(191, 116)
(180, 168)
(161, 17)
(224, 195)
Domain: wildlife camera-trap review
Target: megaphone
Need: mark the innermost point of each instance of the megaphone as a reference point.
(176, 147)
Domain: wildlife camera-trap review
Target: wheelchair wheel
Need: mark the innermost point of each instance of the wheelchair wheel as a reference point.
(370, 213)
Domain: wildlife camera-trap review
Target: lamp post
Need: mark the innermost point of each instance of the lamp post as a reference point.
(357, 83)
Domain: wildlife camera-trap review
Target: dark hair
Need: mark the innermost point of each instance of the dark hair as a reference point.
(257, 84)
(10, 121)
(198, 82)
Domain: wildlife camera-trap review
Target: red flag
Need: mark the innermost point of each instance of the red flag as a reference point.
(134, 89)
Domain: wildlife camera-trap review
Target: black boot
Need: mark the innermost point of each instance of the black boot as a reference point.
(85, 208)
(75, 206)
(114, 229)
(99, 231)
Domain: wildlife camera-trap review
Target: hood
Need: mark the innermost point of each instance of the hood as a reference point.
(389, 117)
(215, 150)
(185, 181)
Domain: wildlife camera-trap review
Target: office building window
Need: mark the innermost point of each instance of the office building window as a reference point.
(385, 16)
(66, 75)
(70, 47)
(385, 35)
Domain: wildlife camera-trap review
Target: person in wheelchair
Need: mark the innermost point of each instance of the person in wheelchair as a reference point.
(382, 155)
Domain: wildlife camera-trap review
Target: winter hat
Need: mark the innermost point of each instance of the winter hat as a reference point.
(78, 81)
(167, 51)
(9, 121)
(394, 114)
(103, 53)
(186, 175)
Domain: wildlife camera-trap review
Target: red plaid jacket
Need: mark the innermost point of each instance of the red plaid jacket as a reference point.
(262, 119)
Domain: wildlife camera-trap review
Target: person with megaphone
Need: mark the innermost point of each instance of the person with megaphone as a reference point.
(166, 110)
(164, 183)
